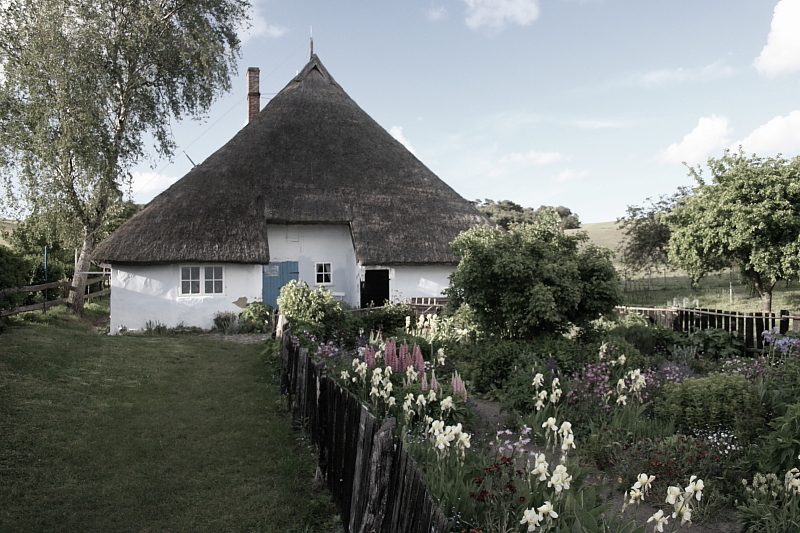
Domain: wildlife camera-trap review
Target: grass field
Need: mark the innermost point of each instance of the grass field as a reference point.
(147, 434)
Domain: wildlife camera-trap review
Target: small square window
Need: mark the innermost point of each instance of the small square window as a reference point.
(323, 273)
(213, 280)
(190, 280)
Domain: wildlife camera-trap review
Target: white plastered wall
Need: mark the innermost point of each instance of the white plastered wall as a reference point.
(311, 244)
(419, 281)
(152, 293)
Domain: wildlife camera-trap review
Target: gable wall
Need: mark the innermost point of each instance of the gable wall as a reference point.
(311, 244)
(416, 281)
(152, 293)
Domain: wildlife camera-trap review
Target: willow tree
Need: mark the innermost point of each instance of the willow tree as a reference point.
(749, 215)
(85, 83)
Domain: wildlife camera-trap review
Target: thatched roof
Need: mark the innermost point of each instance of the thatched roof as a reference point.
(311, 156)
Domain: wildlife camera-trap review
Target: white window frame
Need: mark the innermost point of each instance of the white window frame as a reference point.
(323, 272)
(202, 280)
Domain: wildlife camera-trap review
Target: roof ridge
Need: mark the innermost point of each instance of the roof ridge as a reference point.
(315, 63)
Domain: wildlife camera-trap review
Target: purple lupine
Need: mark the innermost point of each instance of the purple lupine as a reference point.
(390, 354)
(402, 357)
(417, 360)
(458, 386)
(434, 383)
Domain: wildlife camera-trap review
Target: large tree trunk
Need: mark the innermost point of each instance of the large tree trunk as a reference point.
(81, 268)
(764, 291)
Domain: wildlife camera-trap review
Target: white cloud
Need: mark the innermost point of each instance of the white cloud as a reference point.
(710, 134)
(148, 185)
(532, 158)
(666, 76)
(781, 134)
(570, 175)
(397, 133)
(516, 162)
(599, 124)
(494, 15)
(259, 27)
(782, 51)
(436, 13)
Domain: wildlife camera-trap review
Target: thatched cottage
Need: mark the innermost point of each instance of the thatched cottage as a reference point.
(311, 188)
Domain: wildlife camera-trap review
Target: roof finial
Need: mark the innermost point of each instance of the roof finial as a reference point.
(310, 42)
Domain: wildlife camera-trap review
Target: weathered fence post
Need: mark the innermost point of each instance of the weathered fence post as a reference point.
(379, 472)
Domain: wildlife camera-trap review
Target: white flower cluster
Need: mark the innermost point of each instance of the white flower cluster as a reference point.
(682, 501)
(533, 517)
(543, 395)
(633, 383)
(554, 432)
(382, 385)
(442, 436)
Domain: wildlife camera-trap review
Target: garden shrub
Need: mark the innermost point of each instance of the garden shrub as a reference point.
(715, 402)
(227, 322)
(256, 318)
(492, 362)
(15, 271)
(778, 450)
(712, 344)
(671, 460)
(316, 311)
(387, 319)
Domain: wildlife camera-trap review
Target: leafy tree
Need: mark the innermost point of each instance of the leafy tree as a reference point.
(506, 212)
(85, 81)
(748, 215)
(14, 272)
(533, 279)
(646, 240)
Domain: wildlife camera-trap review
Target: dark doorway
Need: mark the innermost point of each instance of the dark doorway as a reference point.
(375, 288)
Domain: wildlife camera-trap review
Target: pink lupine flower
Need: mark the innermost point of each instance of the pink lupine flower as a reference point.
(434, 383)
(402, 356)
(417, 360)
(458, 386)
(391, 354)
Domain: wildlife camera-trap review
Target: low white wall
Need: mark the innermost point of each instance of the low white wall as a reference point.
(310, 244)
(152, 293)
(415, 281)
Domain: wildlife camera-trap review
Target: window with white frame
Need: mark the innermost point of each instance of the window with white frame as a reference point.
(323, 273)
(209, 278)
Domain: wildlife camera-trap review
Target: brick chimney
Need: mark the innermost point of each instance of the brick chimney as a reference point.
(253, 94)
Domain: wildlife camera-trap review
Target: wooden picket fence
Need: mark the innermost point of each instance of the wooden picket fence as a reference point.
(748, 325)
(376, 485)
(50, 303)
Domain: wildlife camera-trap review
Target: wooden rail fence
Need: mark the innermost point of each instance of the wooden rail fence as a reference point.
(748, 325)
(376, 485)
(49, 303)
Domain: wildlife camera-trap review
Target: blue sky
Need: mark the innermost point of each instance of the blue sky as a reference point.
(590, 104)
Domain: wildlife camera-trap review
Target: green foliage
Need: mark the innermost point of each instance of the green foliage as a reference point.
(505, 212)
(387, 319)
(227, 322)
(712, 344)
(532, 280)
(316, 311)
(15, 271)
(647, 234)
(748, 215)
(256, 318)
(715, 402)
(85, 83)
(778, 450)
(771, 504)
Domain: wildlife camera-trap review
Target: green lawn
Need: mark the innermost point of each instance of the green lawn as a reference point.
(147, 434)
